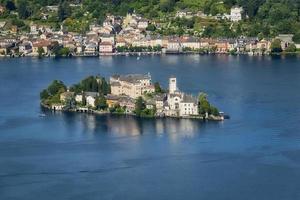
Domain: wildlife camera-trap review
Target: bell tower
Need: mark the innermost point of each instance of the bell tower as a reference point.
(172, 85)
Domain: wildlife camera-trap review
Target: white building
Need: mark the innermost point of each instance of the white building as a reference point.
(105, 47)
(188, 106)
(78, 98)
(143, 24)
(91, 98)
(179, 103)
(236, 14)
(172, 85)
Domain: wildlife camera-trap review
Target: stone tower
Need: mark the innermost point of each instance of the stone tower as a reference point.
(172, 85)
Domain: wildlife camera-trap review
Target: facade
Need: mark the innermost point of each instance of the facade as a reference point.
(236, 14)
(178, 104)
(25, 48)
(105, 47)
(91, 98)
(190, 42)
(91, 49)
(188, 106)
(143, 24)
(173, 46)
(44, 44)
(132, 85)
(286, 40)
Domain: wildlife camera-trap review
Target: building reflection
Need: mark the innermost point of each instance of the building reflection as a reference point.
(132, 126)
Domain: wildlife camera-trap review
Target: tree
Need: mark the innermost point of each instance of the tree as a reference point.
(139, 106)
(56, 87)
(56, 49)
(83, 99)
(166, 5)
(204, 106)
(10, 5)
(40, 51)
(64, 10)
(157, 88)
(65, 51)
(296, 37)
(276, 46)
(100, 103)
(44, 94)
(291, 48)
(151, 27)
(23, 9)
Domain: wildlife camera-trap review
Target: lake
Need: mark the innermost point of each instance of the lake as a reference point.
(254, 155)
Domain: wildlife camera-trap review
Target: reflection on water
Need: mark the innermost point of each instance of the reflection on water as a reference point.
(130, 125)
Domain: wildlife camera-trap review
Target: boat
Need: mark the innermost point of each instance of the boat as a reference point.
(225, 116)
(42, 115)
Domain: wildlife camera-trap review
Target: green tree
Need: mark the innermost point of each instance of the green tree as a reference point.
(23, 9)
(158, 88)
(40, 51)
(64, 10)
(83, 99)
(204, 105)
(56, 87)
(166, 5)
(151, 27)
(100, 103)
(276, 46)
(296, 37)
(291, 48)
(56, 49)
(44, 94)
(65, 51)
(10, 5)
(139, 106)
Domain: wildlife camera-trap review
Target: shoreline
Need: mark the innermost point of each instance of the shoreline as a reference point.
(138, 54)
(97, 112)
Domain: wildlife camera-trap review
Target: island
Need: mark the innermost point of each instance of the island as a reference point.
(130, 94)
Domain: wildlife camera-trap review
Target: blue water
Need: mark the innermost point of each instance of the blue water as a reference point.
(254, 155)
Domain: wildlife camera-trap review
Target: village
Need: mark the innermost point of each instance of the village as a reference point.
(132, 94)
(127, 35)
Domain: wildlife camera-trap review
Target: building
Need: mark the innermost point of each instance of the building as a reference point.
(107, 38)
(143, 24)
(236, 14)
(66, 96)
(120, 42)
(173, 46)
(105, 47)
(132, 85)
(286, 40)
(25, 48)
(188, 106)
(190, 42)
(91, 98)
(43, 44)
(173, 85)
(222, 46)
(112, 100)
(91, 49)
(179, 103)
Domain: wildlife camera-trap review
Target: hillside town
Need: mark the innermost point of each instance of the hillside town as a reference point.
(133, 94)
(127, 35)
